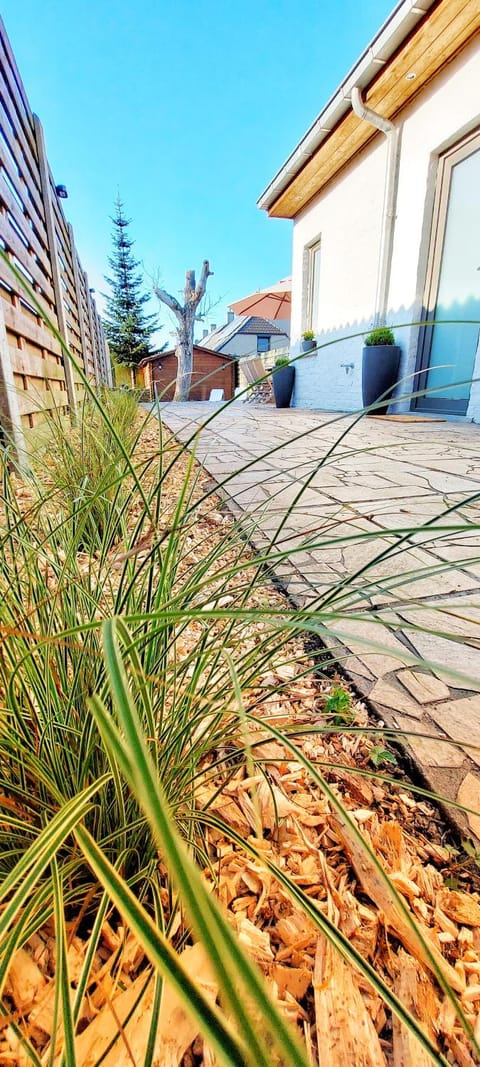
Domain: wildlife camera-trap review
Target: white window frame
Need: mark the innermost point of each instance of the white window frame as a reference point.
(309, 254)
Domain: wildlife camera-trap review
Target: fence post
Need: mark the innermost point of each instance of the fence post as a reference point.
(93, 337)
(52, 241)
(105, 353)
(108, 358)
(10, 410)
(78, 294)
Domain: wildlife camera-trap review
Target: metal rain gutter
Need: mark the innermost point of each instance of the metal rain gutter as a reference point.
(392, 133)
(390, 37)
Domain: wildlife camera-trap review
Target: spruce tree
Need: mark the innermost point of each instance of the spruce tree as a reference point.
(128, 328)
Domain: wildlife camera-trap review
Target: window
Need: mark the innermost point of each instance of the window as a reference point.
(313, 290)
(263, 343)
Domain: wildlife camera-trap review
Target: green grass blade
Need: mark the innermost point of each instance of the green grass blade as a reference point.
(234, 971)
(40, 854)
(162, 955)
(62, 1006)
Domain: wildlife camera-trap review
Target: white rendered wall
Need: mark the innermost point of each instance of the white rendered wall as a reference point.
(346, 218)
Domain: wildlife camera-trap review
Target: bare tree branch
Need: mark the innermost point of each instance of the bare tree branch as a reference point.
(202, 281)
(170, 301)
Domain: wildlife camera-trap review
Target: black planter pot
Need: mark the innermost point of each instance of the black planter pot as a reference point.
(283, 379)
(379, 375)
(308, 345)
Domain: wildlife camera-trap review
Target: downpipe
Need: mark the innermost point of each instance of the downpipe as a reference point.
(392, 134)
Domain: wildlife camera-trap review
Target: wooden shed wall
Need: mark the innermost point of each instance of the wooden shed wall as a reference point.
(210, 371)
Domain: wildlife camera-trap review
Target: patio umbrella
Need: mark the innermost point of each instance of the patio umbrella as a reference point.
(271, 303)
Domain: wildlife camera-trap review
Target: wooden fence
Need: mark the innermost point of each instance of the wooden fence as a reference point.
(38, 241)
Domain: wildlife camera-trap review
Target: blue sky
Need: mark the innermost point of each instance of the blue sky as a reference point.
(188, 109)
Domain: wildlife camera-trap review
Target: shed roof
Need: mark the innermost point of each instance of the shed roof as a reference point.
(171, 352)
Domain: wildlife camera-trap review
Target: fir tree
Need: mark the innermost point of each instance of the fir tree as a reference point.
(128, 328)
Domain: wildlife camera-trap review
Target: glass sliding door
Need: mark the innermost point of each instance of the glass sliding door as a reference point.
(448, 342)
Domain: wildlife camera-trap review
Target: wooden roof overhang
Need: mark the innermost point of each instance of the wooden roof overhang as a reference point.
(447, 28)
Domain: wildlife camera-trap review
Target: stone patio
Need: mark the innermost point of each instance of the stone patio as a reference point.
(351, 501)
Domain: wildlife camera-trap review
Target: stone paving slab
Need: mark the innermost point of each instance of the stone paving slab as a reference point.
(352, 504)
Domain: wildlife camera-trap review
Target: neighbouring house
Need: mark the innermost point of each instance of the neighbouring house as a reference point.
(245, 336)
(211, 370)
(384, 194)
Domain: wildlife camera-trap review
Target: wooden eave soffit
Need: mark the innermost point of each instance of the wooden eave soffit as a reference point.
(446, 29)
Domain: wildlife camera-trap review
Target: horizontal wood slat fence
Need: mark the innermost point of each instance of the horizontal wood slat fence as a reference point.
(39, 242)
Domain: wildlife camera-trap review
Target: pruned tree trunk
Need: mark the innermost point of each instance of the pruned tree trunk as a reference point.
(185, 314)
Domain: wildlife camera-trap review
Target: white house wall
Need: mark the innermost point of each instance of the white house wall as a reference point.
(346, 218)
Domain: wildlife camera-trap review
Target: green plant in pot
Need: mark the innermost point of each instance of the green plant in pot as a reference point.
(380, 363)
(283, 379)
(308, 340)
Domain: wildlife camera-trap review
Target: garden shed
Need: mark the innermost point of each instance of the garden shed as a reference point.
(211, 370)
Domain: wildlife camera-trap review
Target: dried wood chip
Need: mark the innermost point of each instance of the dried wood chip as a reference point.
(25, 981)
(345, 1031)
(275, 805)
(224, 806)
(176, 1031)
(358, 787)
(293, 980)
(363, 815)
(373, 885)
(295, 931)
(417, 994)
(390, 841)
(258, 880)
(12, 1052)
(461, 1053)
(365, 937)
(404, 885)
(459, 907)
(445, 924)
(42, 1014)
(286, 671)
(256, 941)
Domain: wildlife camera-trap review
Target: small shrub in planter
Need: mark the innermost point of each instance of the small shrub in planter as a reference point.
(383, 335)
(283, 379)
(308, 340)
(380, 363)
